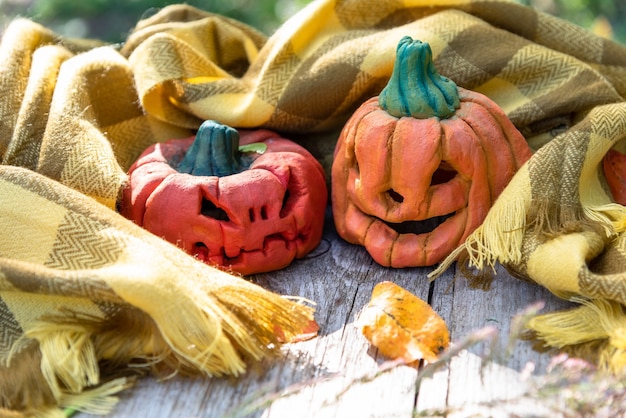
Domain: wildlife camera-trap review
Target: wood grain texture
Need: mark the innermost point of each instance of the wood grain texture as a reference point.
(338, 374)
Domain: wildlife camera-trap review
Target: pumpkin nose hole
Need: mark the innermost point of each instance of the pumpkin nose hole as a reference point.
(208, 208)
(395, 196)
(262, 213)
(443, 174)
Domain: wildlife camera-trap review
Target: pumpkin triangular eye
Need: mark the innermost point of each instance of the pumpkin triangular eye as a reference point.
(208, 208)
(444, 173)
(286, 205)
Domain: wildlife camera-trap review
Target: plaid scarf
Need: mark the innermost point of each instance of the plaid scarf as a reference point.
(83, 292)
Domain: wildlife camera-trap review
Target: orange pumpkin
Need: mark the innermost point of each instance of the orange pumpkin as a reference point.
(417, 168)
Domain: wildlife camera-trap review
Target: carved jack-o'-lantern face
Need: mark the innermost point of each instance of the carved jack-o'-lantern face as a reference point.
(417, 168)
(248, 213)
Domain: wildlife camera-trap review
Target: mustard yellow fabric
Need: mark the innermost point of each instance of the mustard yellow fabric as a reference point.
(80, 284)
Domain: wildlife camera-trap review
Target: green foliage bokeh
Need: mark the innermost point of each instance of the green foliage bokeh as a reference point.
(111, 20)
(589, 14)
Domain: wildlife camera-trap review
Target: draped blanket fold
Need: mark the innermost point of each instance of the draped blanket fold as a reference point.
(84, 292)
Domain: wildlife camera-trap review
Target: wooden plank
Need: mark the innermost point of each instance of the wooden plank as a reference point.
(338, 373)
(471, 381)
(341, 283)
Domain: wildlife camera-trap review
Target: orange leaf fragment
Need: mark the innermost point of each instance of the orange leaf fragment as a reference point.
(403, 326)
(309, 332)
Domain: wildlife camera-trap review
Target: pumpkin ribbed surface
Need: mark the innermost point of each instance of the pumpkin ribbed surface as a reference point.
(412, 188)
(244, 212)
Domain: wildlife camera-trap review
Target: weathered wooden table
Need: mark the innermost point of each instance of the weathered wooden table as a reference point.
(338, 374)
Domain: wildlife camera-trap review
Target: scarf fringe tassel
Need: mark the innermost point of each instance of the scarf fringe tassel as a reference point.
(596, 330)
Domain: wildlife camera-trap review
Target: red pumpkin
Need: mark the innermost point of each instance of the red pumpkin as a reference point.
(417, 168)
(248, 212)
(614, 166)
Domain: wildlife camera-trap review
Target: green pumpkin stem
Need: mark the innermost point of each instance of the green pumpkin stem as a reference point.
(415, 88)
(214, 152)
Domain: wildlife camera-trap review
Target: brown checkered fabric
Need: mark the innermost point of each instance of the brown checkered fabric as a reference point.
(76, 113)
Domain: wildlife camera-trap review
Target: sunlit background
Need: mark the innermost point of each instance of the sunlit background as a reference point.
(111, 20)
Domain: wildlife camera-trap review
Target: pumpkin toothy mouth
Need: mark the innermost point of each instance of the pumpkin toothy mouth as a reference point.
(418, 227)
(202, 253)
(272, 244)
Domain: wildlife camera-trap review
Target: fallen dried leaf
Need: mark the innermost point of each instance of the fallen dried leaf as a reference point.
(401, 325)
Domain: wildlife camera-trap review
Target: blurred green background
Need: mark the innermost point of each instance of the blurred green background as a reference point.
(111, 20)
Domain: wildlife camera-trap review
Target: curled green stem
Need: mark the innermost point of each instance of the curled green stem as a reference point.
(214, 152)
(415, 88)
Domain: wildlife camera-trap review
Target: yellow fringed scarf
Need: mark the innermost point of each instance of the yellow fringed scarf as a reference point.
(79, 284)
(556, 224)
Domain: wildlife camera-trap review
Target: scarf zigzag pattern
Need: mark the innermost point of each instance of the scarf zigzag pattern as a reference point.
(76, 113)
